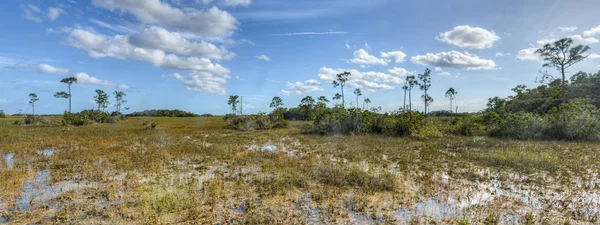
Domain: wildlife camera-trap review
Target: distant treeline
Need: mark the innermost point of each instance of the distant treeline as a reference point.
(166, 113)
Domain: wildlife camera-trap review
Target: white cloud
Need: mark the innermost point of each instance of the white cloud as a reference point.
(116, 28)
(4, 101)
(237, 2)
(568, 28)
(454, 59)
(43, 68)
(264, 58)
(161, 39)
(362, 57)
(33, 13)
(397, 55)
(299, 88)
(54, 13)
(201, 82)
(437, 69)
(209, 22)
(347, 45)
(469, 37)
(310, 33)
(445, 74)
(101, 46)
(529, 54)
(577, 40)
(502, 54)
(592, 32)
(401, 72)
(371, 81)
(87, 79)
(594, 56)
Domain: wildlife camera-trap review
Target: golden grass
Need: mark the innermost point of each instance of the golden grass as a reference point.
(193, 170)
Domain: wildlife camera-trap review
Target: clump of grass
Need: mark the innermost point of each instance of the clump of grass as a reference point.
(353, 177)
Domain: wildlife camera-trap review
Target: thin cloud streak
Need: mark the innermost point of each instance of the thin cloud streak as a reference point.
(311, 33)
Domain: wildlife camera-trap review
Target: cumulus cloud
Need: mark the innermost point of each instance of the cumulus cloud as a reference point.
(43, 68)
(201, 82)
(54, 13)
(84, 78)
(208, 22)
(398, 56)
(401, 72)
(237, 2)
(469, 37)
(577, 40)
(502, 54)
(529, 54)
(454, 59)
(264, 58)
(362, 57)
(568, 28)
(594, 56)
(299, 88)
(592, 32)
(161, 39)
(116, 28)
(371, 81)
(118, 46)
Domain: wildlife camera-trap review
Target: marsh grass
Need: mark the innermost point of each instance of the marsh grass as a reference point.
(195, 170)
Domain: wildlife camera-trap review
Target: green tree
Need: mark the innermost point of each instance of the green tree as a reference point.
(101, 100)
(32, 99)
(367, 101)
(412, 81)
(69, 81)
(233, 102)
(358, 93)
(560, 55)
(451, 94)
(323, 99)
(120, 100)
(307, 107)
(341, 80)
(425, 84)
(276, 102)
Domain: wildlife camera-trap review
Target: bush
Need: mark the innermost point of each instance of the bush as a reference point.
(86, 117)
(150, 125)
(356, 121)
(37, 120)
(255, 122)
(576, 120)
(2, 114)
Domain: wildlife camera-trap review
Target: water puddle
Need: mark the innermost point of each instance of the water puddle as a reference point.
(39, 190)
(281, 148)
(46, 152)
(9, 158)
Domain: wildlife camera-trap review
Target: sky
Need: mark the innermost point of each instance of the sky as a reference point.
(192, 54)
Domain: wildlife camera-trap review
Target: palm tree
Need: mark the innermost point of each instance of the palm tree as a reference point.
(405, 88)
(341, 81)
(358, 93)
(69, 81)
(412, 81)
(451, 94)
(366, 101)
(32, 99)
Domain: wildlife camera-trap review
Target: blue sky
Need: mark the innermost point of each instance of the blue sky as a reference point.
(192, 54)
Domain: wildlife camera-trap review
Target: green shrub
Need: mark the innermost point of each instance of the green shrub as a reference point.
(576, 120)
(521, 125)
(86, 117)
(2, 114)
(150, 125)
(260, 121)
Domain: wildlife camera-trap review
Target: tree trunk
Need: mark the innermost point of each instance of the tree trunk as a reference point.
(69, 98)
(356, 101)
(404, 105)
(450, 104)
(563, 90)
(343, 100)
(410, 100)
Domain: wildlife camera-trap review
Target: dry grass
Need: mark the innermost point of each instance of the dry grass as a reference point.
(193, 170)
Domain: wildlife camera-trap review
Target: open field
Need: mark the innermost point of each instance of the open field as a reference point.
(194, 170)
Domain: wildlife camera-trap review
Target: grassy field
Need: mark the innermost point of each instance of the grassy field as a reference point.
(193, 170)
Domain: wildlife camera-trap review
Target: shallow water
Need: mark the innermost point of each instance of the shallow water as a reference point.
(39, 190)
(9, 158)
(46, 152)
